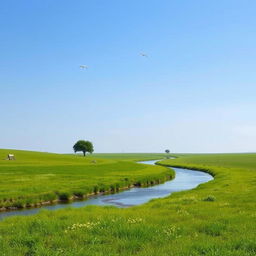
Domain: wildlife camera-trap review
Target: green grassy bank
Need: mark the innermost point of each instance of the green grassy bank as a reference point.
(35, 178)
(216, 219)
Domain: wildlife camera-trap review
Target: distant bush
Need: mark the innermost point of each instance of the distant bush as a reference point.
(19, 204)
(95, 189)
(79, 194)
(48, 197)
(117, 186)
(64, 196)
(113, 188)
(29, 202)
(137, 184)
(209, 198)
(102, 189)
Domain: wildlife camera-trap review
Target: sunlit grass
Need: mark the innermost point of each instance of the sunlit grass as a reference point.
(36, 177)
(217, 218)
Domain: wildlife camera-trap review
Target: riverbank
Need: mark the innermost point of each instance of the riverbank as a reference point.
(37, 179)
(184, 180)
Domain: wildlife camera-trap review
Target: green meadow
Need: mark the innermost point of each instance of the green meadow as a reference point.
(217, 218)
(35, 178)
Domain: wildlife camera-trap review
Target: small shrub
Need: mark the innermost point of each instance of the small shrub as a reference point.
(79, 194)
(48, 197)
(209, 199)
(112, 188)
(29, 202)
(117, 187)
(19, 204)
(102, 189)
(138, 184)
(64, 196)
(95, 189)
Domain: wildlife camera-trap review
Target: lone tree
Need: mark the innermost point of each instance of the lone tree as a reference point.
(167, 151)
(83, 146)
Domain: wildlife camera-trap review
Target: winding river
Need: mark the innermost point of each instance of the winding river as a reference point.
(185, 179)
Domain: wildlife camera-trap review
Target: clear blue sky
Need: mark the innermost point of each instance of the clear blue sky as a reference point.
(196, 91)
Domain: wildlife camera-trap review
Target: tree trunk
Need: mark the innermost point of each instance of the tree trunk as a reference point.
(84, 152)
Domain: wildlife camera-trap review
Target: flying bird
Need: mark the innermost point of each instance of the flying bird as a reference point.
(143, 54)
(83, 67)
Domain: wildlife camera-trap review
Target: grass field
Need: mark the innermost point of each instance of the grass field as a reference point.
(216, 219)
(34, 177)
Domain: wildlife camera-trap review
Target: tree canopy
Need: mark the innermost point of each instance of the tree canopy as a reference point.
(167, 151)
(83, 146)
